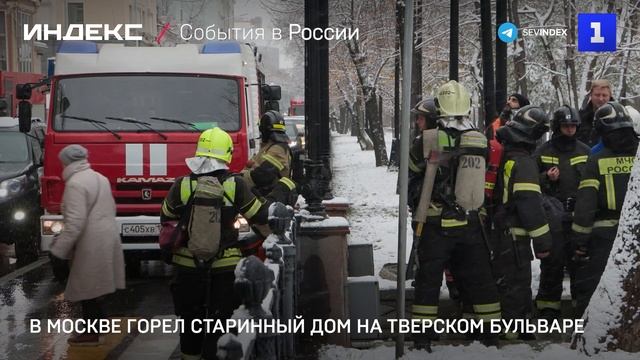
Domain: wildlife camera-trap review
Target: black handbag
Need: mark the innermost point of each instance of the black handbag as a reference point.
(60, 268)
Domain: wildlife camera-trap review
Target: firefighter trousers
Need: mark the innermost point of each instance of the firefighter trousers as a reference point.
(512, 269)
(189, 290)
(588, 272)
(465, 251)
(552, 270)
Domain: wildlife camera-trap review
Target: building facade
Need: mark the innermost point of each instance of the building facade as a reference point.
(16, 54)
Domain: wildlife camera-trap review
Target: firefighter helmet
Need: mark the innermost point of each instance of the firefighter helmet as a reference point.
(215, 143)
(453, 99)
(272, 127)
(564, 115)
(527, 126)
(611, 116)
(426, 107)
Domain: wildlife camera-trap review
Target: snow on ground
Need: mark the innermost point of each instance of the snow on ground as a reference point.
(374, 211)
(373, 214)
(475, 351)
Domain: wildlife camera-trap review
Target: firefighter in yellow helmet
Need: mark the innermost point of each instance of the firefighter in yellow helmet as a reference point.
(200, 291)
(447, 215)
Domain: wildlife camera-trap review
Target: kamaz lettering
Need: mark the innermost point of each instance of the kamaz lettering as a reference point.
(144, 180)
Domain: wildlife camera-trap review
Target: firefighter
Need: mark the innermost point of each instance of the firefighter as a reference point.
(273, 161)
(561, 162)
(198, 292)
(600, 197)
(447, 214)
(426, 117)
(514, 102)
(520, 217)
(270, 165)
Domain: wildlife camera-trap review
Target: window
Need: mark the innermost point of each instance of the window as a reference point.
(202, 101)
(25, 48)
(75, 13)
(3, 42)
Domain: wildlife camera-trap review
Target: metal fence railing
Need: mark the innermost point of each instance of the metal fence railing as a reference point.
(267, 290)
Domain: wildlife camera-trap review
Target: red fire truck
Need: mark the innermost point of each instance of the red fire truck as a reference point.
(296, 107)
(139, 112)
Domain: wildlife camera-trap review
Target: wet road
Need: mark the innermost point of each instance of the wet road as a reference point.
(32, 293)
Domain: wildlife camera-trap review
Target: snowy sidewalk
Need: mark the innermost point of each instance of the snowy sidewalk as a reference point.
(373, 214)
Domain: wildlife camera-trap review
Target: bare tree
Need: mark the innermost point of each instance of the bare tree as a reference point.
(369, 53)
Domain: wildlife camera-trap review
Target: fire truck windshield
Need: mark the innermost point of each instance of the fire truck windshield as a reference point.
(201, 102)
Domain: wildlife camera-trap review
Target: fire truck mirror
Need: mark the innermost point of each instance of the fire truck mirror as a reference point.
(271, 92)
(23, 91)
(24, 116)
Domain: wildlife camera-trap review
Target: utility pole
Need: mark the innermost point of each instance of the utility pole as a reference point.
(453, 40)
(501, 57)
(403, 172)
(316, 64)
(487, 36)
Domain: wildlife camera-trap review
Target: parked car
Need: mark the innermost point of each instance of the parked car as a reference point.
(20, 169)
(294, 126)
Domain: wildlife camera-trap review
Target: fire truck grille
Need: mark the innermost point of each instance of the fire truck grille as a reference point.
(140, 239)
(138, 200)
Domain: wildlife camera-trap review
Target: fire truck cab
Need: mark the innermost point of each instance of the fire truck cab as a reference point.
(139, 111)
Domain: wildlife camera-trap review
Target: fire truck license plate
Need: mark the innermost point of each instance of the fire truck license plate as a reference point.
(140, 229)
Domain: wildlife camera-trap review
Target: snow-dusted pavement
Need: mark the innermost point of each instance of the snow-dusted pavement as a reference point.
(373, 218)
(374, 211)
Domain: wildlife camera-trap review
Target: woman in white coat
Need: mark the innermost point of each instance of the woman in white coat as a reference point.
(90, 238)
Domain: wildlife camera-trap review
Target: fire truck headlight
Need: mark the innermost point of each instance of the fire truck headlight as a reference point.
(52, 227)
(241, 224)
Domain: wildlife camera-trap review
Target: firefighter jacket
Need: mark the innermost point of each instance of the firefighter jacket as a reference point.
(521, 212)
(601, 192)
(271, 163)
(570, 156)
(238, 199)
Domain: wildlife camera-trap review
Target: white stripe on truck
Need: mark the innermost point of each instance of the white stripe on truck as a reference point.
(133, 159)
(158, 159)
